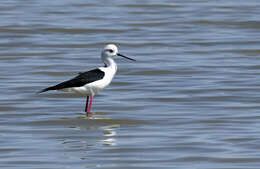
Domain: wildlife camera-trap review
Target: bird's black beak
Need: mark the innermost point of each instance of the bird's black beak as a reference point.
(118, 54)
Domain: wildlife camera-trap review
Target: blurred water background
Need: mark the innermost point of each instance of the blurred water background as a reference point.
(190, 102)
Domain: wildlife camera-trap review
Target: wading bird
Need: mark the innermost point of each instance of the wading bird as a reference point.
(92, 82)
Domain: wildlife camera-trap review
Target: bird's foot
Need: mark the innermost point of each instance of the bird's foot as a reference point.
(89, 114)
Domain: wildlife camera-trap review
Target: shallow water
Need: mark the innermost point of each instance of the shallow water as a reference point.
(191, 100)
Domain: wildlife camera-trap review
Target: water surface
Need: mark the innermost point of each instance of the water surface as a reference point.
(191, 100)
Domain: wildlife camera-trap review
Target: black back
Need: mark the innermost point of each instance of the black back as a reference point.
(78, 81)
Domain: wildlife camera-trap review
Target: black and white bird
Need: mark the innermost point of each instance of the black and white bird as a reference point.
(92, 82)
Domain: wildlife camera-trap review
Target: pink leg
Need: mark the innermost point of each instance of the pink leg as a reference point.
(89, 114)
(86, 108)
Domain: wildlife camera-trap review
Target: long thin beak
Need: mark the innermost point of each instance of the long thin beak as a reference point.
(118, 54)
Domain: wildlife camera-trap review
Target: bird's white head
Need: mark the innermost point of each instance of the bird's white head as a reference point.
(110, 51)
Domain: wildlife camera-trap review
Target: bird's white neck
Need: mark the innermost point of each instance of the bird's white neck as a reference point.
(110, 63)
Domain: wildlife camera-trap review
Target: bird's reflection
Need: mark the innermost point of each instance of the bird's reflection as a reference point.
(109, 133)
(84, 132)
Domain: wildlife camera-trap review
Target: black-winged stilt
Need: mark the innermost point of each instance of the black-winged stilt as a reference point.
(92, 82)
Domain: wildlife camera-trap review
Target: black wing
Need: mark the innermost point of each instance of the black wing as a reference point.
(78, 81)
